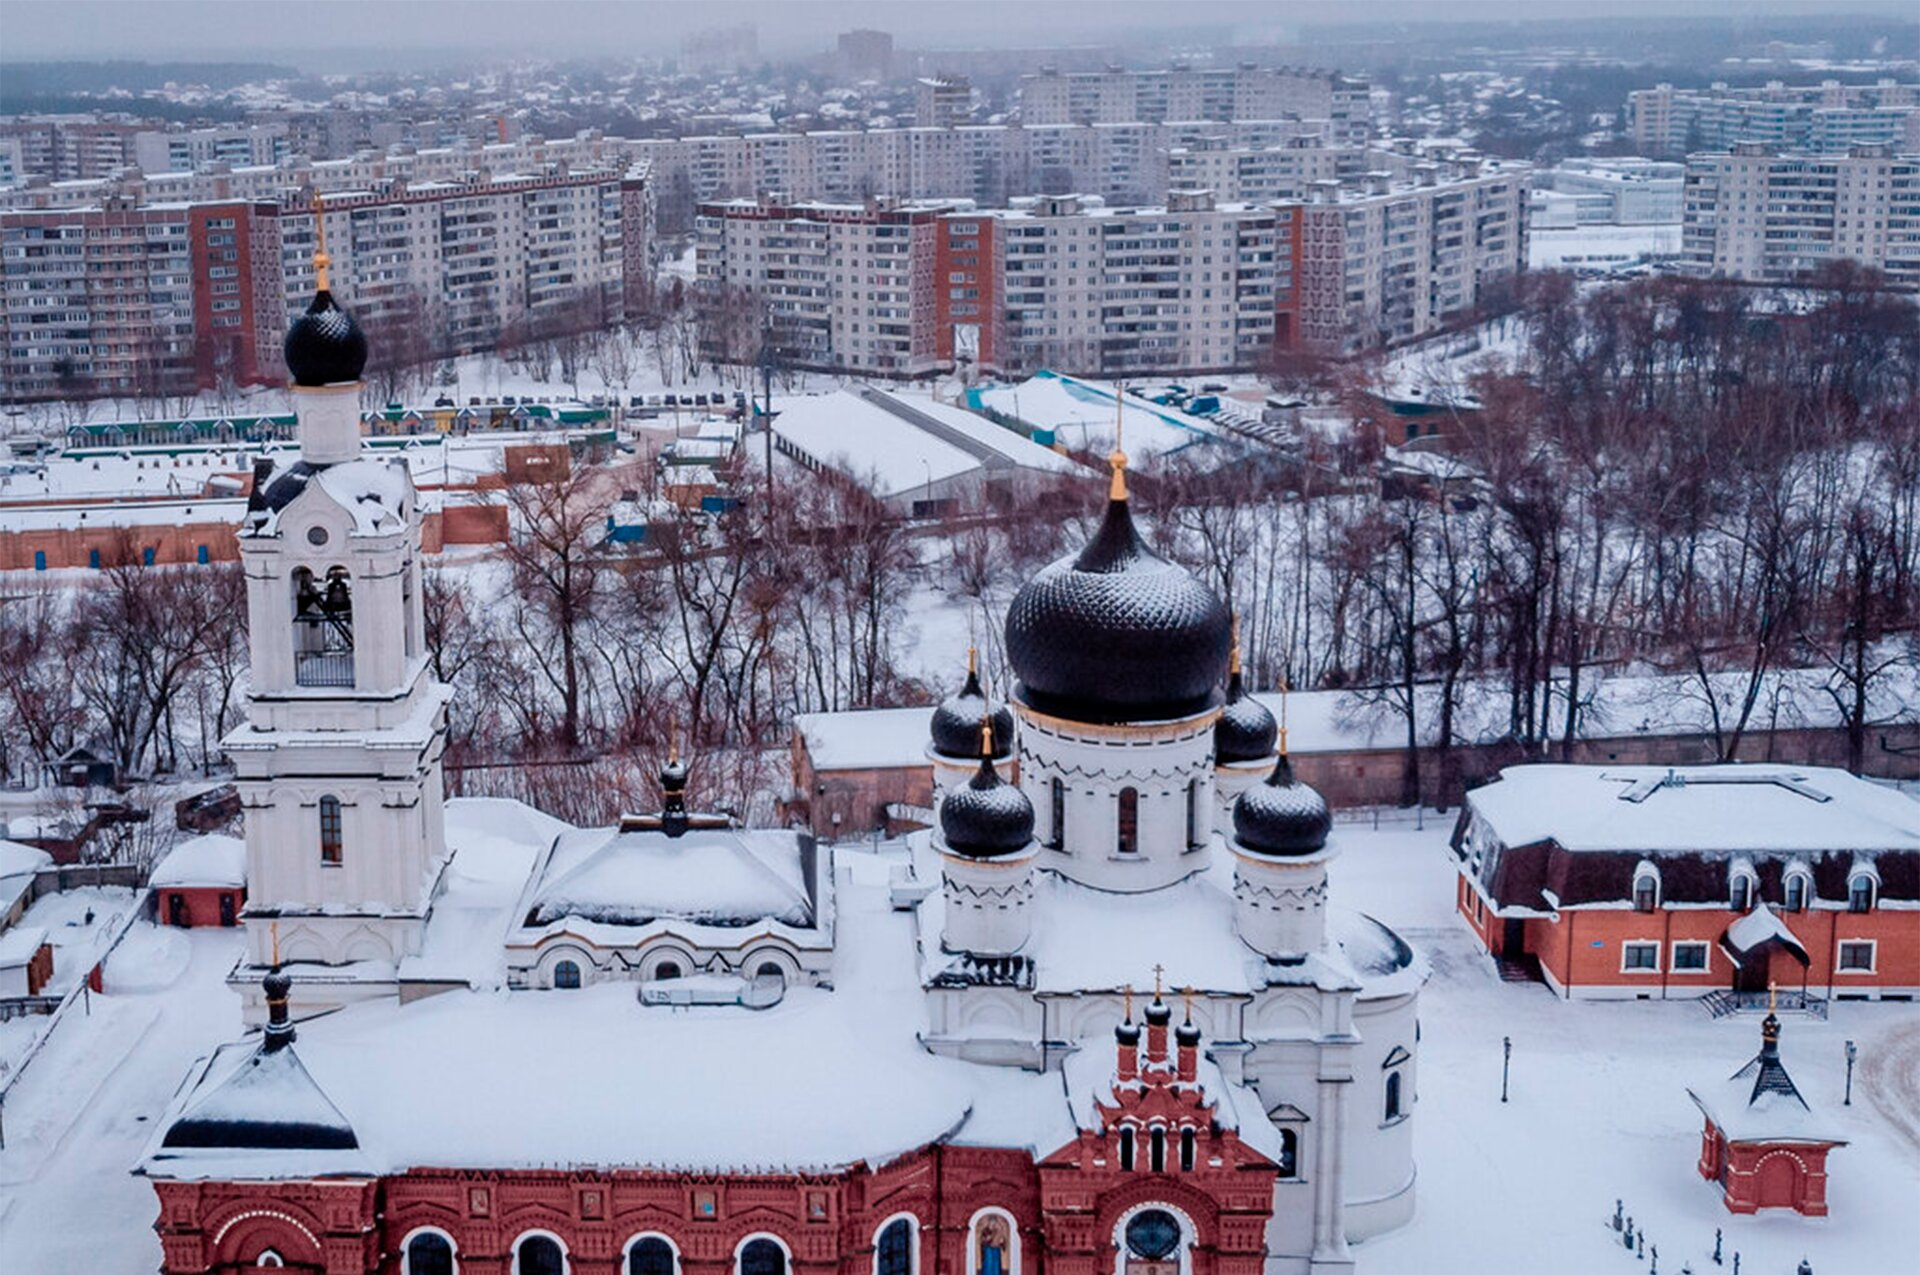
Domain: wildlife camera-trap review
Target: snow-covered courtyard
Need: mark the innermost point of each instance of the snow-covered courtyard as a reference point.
(1598, 1108)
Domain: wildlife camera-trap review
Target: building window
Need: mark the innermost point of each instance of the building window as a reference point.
(762, 1256)
(1860, 893)
(539, 1255)
(1152, 1235)
(566, 974)
(330, 831)
(893, 1251)
(1187, 1147)
(269, 1258)
(1127, 837)
(1057, 814)
(1689, 958)
(1126, 1149)
(667, 969)
(1193, 813)
(1646, 890)
(1157, 1150)
(650, 1255)
(1796, 892)
(1857, 957)
(1640, 958)
(1289, 1158)
(1740, 894)
(1393, 1108)
(428, 1253)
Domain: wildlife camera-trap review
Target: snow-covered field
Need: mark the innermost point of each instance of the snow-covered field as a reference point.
(1598, 1112)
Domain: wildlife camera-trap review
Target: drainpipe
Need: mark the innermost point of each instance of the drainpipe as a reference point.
(1666, 949)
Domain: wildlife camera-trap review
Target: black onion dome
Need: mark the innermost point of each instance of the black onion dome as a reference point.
(1282, 817)
(987, 818)
(956, 722)
(1246, 731)
(324, 346)
(1118, 633)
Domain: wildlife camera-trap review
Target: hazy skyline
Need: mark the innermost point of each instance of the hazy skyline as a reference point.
(387, 30)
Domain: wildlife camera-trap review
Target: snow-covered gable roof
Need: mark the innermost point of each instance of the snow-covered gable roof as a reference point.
(22, 860)
(375, 493)
(251, 1104)
(1761, 1103)
(1578, 833)
(709, 876)
(866, 739)
(214, 859)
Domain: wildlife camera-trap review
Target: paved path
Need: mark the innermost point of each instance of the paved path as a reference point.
(1889, 1076)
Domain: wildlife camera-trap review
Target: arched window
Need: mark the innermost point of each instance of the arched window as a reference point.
(1740, 892)
(1157, 1150)
(1860, 892)
(650, 1255)
(1289, 1158)
(1393, 1095)
(428, 1253)
(1796, 892)
(770, 969)
(1126, 1149)
(1056, 814)
(1646, 889)
(1193, 813)
(1187, 1148)
(322, 625)
(566, 974)
(1152, 1235)
(539, 1255)
(1127, 838)
(331, 832)
(762, 1257)
(893, 1250)
(269, 1258)
(993, 1252)
(667, 969)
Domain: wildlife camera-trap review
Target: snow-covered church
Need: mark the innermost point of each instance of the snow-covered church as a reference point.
(1100, 1019)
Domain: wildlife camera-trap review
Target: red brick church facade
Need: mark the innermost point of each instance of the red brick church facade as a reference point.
(1159, 1151)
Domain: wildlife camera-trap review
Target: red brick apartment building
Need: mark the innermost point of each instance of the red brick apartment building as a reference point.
(1644, 882)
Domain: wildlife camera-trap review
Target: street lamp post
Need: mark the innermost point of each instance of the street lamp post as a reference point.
(1853, 1052)
(1506, 1064)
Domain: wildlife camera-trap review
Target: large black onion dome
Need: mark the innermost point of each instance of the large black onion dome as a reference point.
(324, 346)
(1246, 731)
(1117, 633)
(1282, 817)
(956, 722)
(988, 818)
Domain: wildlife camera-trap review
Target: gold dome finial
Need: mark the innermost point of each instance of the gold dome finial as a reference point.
(1233, 659)
(1129, 1002)
(673, 744)
(986, 736)
(274, 931)
(1117, 490)
(1283, 715)
(320, 258)
(973, 660)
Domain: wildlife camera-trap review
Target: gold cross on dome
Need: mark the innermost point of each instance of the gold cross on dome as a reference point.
(1158, 970)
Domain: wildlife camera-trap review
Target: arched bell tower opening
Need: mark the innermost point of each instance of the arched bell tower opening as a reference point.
(322, 627)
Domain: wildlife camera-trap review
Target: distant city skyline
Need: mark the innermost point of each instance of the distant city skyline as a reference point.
(155, 30)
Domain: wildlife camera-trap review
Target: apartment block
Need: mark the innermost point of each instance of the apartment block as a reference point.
(1761, 215)
(842, 286)
(1830, 116)
(148, 300)
(185, 150)
(1243, 92)
(1262, 174)
(1382, 262)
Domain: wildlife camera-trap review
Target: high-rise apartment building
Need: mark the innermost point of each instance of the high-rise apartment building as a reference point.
(1243, 92)
(1830, 116)
(1757, 214)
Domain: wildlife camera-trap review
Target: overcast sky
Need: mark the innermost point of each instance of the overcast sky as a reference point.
(280, 30)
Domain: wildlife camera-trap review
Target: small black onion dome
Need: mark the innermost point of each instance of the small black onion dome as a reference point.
(1246, 731)
(1127, 1032)
(956, 722)
(1159, 1013)
(1117, 633)
(1187, 1033)
(276, 984)
(1282, 817)
(324, 346)
(987, 818)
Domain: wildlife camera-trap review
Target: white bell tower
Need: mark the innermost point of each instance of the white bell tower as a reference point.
(338, 764)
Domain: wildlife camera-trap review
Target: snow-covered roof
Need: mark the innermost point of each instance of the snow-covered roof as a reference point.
(854, 1082)
(1753, 808)
(213, 859)
(18, 945)
(1081, 415)
(876, 738)
(18, 860)
(1761, 1103)
(376, 493)
(897, 444)
(708, 876)
(1760, 926)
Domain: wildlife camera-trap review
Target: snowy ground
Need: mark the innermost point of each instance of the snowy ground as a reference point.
(1598, 1111)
